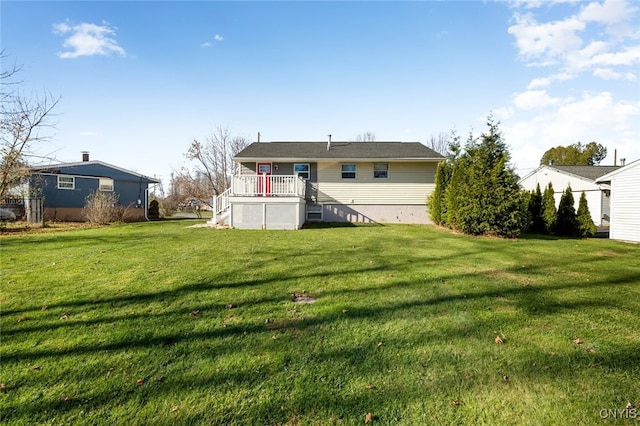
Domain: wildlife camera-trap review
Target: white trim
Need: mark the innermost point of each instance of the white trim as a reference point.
(308, 172)
(355, 171)
(73, 182)
(387, 171)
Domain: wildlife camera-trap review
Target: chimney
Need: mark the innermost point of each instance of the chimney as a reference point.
(85, 155)
(615, 157)
(258, 137)
(329, 143)
(622, 161)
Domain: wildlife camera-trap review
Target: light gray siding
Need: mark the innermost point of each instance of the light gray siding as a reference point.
(625, 203)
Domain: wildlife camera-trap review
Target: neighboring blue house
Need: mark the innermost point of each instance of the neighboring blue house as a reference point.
(65, 188)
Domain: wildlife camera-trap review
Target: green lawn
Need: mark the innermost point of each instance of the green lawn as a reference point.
(157, 323)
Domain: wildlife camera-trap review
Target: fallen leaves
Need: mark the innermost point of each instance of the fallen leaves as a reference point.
(380, 344)
(370, 386)
(455, 402)
(498, 340)
(64, 316)
(195, 313)
(22, 318)
(577, 341)
(230, 306)
(368, 418)
(174, 408)
(3, 387)
(140, 382)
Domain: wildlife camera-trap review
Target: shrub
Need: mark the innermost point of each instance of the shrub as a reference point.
(101, 207)
(566, 219)
(549, 211)
(536, 219)
(586, 227)
(437, 202)
(154, 210)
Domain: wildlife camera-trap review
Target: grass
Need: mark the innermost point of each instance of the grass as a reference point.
(157, 323)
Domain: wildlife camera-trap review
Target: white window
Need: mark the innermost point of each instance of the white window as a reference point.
(301, 170)
(66, 182)
(314, 211)
(106, 184)
(348, 171)
(380, 170)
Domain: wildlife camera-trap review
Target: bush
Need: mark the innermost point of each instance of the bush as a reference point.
(549, 211)
(437, 202)
(536, 219)
(586, 227)
(566, 220)
(154, 210)
(102, 207)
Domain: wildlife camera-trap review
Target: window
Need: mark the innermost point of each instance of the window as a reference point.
(106, 184)
(380, 170)
(314, 211)
(301, 170)
(348, 171)
(66, 182)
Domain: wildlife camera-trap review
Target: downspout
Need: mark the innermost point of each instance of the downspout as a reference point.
(146, 203)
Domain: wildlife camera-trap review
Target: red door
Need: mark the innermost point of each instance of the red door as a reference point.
(264, 181)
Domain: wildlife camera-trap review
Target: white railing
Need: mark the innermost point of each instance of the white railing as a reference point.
(220, 205)
(268, 186)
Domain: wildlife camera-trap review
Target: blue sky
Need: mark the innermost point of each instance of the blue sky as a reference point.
(140, 80)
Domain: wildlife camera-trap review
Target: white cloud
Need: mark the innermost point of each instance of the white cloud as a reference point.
(218, 37)
(87, 40)
(599, 117)
(609, 74)
(206, 44)
(534, 99)
(577, 43)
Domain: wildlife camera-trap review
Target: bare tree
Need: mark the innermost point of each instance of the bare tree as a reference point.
(214, 164)
(366, 137)
(440, 143)
(21, 120)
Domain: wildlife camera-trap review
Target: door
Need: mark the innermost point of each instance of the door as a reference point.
(264, 179)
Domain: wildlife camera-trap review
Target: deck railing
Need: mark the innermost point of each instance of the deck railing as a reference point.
(268, 186)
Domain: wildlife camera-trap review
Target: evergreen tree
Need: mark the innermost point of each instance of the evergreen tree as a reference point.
(586, 226)
(483, 196)
(566, 219)
(536, 224)
(549, 211)
(437, 201)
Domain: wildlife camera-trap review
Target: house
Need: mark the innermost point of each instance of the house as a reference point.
(624, 184)
(581, 179)
(282, 185)
(65, 187)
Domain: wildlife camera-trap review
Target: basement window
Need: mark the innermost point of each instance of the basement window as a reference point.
(314, 212)
(66, 182)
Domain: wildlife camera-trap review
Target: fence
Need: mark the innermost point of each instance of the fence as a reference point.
(27, 209)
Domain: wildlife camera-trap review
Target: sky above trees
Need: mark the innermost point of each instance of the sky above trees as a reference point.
(140, 80)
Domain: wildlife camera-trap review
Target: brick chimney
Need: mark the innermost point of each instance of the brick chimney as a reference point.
(85, 155)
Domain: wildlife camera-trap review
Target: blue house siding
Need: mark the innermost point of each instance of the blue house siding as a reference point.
(67, 203)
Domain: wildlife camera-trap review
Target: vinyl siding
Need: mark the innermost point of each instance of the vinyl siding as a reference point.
(408, 183)
(560, 181)
(625, 204)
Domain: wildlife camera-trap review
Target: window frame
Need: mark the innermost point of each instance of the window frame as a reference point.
(72, 182)
(300, 173)
(320, 209)
(386, 171)
(105, 184)
(349, 172)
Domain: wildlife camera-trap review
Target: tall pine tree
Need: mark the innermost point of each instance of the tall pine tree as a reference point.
(536, 224)
(586, 227)
(549, 211)
(566, 219)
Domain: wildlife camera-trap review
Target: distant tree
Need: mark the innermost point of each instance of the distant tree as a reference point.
(537, 224)
(586, 227)
(566, 219)
(483, 195)
(549, 211)
(366, 137)
(441, 142)
(577, 154)
(214, 164)
(21, 120)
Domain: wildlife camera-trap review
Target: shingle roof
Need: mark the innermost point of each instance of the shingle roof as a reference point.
(338, 151)
(588, 172)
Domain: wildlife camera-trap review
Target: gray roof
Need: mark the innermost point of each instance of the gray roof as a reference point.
(588, 172)
(337, 151)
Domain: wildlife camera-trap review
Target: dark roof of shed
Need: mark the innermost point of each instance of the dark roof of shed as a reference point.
(88, 168)
(588, 172)
(339, 150)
